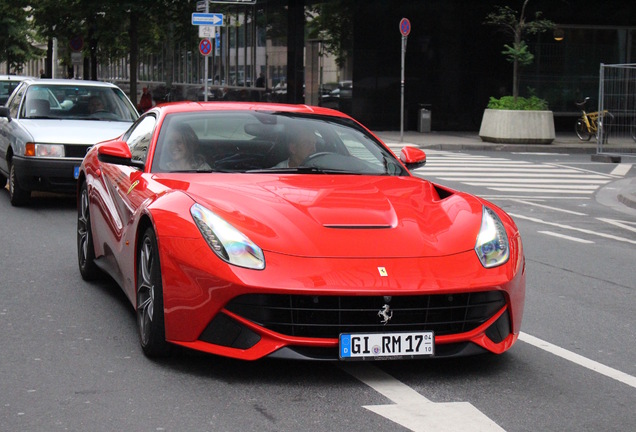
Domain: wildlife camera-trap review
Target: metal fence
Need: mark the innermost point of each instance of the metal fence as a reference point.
(617, 100)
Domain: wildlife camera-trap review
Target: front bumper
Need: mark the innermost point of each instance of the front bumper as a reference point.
(46, 175)
(202, 312)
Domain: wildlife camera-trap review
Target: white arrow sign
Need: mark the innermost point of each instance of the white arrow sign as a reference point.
(414, 411)
(210, 19)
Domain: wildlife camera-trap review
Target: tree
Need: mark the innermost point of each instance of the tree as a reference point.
(333, 23)
(16, 35)
(517, 28)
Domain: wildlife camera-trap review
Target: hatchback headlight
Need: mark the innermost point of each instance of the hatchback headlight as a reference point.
(492, 247)
(227, 242)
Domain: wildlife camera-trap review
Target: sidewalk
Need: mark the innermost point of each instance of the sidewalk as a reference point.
(613, 152)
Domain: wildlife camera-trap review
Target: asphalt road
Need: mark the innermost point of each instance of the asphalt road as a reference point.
(70, 361)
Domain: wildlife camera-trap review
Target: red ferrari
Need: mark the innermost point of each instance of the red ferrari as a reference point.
(251, 230)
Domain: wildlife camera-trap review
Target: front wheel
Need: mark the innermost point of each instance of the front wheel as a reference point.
(150, 318)
(582, 131)
(17, 195)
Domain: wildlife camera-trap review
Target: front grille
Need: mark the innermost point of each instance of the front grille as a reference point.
(328, 316)
(75, 151)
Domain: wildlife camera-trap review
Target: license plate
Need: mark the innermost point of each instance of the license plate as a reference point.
(385, 346)
(76, 172)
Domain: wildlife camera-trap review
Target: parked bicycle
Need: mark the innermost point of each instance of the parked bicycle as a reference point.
(587, 125)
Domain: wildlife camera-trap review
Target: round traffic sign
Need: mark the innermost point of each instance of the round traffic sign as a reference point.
(205, 47)
(405, 26)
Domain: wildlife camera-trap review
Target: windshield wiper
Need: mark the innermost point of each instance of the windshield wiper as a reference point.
(300, 170)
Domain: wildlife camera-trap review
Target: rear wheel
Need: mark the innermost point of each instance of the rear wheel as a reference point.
(17, 195)
(150, 318)
(85, 249)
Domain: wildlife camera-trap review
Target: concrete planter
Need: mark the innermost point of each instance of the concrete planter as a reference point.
(517, 127)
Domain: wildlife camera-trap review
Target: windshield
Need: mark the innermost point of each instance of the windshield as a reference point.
(269, 142)
(77, 102)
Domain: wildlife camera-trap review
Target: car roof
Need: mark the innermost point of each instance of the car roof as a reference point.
(13, 77)
(74, 82)
(188, 106)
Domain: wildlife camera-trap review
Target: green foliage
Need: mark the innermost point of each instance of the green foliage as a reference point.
(531, 103)
(15, 36)
(517, 27)
(331, 22)
(518, 53)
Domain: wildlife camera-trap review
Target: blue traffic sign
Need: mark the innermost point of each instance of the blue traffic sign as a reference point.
(209, 19)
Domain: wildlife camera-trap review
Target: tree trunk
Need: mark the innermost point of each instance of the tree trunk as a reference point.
(134, 53)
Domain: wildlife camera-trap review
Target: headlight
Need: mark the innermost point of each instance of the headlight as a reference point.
(227, 242)
(44, 150)
(492, 245)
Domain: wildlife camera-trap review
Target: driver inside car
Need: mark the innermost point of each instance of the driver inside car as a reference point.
(301, 144)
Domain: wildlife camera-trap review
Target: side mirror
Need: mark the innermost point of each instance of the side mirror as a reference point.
(4, 112)
(413, 157)
(118, 153)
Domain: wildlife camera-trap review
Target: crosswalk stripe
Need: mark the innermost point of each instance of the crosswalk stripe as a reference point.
(509, 176)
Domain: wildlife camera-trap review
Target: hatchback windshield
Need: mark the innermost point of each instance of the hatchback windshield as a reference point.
(45, 101)
(269, 142)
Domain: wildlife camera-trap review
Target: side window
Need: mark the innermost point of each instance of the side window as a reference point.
(139, 138)
(14, 103)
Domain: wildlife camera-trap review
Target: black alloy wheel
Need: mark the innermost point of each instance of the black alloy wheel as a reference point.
(85, 248)
(150, 317)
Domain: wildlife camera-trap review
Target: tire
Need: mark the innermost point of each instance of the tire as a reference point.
(581, 130)
(634, 131)
(85, 248)
(150, 318)
(3, 181)
(18, 196)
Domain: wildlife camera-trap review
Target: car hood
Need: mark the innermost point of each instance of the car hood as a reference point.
(342, 216)
(73, 131)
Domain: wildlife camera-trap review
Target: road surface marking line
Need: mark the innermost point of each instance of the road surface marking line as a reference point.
(621, 169)
(548, 207)
(576, 239)
(415, 412)
(608, 236)
(579, 360)
(618, 223)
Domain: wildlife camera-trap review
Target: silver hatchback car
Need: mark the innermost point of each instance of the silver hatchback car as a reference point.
(47, 126)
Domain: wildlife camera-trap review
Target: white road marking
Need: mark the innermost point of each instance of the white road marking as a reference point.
(621, 169)
(568, 227)
(579, 360)
(415, 412)
(530, 203)
(563, 236)
(622, 224)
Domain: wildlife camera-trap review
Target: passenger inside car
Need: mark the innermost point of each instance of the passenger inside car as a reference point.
(181, 145)
(301, 144)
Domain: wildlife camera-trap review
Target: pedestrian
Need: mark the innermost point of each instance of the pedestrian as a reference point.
(145, 103)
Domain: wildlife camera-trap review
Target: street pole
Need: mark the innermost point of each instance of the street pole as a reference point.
(402, 89)
(205, 61)
(405, 29)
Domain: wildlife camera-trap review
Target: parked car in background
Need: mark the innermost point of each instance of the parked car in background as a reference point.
(254, 230)
(339, 98)
(47, 126)
(8, 83)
